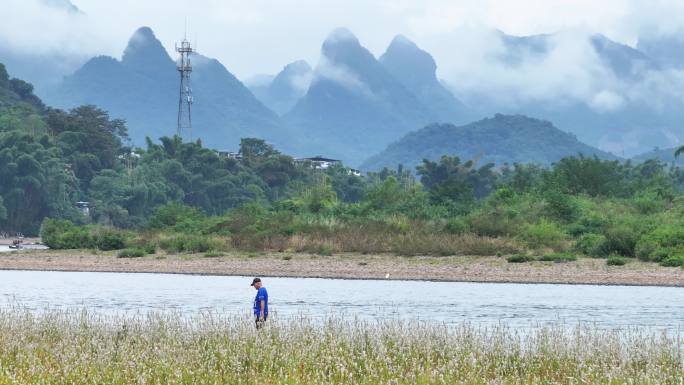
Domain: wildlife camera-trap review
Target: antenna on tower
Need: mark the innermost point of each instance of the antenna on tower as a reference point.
(185, 98)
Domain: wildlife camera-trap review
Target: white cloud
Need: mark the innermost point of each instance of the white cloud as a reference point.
(341, 75)
(36, 27)
(301, 82)
(260, 36)
(607, 101)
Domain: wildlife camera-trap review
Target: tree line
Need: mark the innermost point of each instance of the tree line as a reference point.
(51, 159)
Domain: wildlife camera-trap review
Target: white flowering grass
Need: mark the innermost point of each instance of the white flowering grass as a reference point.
(79, 348)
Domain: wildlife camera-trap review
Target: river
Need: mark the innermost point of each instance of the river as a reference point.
(7, 249)
(515, 305)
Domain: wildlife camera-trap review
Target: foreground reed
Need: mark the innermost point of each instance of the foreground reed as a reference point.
(79, 348)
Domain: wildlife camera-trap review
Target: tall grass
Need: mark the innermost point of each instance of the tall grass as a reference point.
(78, 348)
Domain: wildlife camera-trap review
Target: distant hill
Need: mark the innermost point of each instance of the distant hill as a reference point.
(354, 106)
(283, 91)
(142, 88)
(501, 139)
(17, 96)
(662, 154)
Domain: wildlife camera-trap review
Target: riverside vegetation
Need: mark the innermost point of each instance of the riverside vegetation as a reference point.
(579, 206)
(79, 348)
(181, 197)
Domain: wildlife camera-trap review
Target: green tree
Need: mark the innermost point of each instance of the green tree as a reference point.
(591, 176)
(35, 183)
(454, 183)
(88, 138)
(3, 210)
(251, 148)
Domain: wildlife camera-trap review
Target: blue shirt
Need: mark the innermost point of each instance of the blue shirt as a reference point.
(262, 294)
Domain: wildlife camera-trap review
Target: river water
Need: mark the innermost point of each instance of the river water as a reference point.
(6, 248)
(515, 305)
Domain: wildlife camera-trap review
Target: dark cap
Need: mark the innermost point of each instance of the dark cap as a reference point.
(255, 280)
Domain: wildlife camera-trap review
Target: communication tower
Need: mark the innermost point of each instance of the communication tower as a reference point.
(185, 98)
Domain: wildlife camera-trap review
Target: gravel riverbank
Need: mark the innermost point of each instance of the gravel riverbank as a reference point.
(354, 266)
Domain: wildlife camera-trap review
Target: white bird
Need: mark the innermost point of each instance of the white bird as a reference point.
(386, 275)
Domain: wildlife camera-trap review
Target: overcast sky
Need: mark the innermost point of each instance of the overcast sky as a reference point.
(261, 36)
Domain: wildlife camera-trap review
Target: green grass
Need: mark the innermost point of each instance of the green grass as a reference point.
(77, 348)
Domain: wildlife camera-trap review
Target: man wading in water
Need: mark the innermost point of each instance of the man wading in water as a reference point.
(260, 303)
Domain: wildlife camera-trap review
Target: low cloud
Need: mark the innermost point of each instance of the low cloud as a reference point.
(301, 82)
(607, 101)
(38, 27)
(566, 69)
(342, 75)
(249, 39)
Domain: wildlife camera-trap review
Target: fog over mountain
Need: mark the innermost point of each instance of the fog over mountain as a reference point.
(354, 105)
(609, 94)
(281, 92)
(42, 66)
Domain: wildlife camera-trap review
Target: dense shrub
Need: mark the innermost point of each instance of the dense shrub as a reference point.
(63, 234)
(589, 223)
(110, 239)
(648, 202)
(150, 248)
(620, 240)
(189, 243)
(659, 243)
(560, 206)
(456, 226)
(131, 253)
(52, 229)
(615, 260)
(558, 257)
(519, 258)
(590, 244)
(673, 261)
(645, 249)
(543, 234)
(173, 214)
(493, 223)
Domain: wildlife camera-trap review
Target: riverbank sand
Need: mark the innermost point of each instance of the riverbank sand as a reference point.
(353, 266)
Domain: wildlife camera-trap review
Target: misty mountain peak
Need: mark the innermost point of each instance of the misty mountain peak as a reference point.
(417, 71)
(297, 67)
(401, 40)
(65, 5)
(405, 59)
(341, 35)
(341, 43)
(281, 92)
(145, 50)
